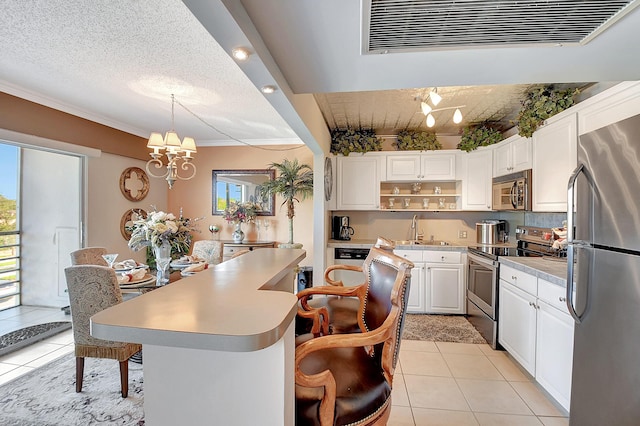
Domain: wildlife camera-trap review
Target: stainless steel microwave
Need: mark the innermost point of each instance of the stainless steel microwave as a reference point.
(512, 192)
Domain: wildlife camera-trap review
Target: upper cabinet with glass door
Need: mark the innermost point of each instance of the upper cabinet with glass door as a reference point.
(429, 166)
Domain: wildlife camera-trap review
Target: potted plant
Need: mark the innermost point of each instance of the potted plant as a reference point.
(293, 180)
(416, 141)
(540, 104)
(351, 140)
(479, 135)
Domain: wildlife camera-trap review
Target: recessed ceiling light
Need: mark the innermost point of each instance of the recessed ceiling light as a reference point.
(268, 89)
(241, 53)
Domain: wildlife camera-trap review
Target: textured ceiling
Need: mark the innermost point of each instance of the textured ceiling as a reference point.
(116, 62)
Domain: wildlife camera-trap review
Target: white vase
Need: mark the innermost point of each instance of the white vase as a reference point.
(237, 234)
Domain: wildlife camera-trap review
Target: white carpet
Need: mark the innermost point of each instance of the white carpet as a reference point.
(47, 396)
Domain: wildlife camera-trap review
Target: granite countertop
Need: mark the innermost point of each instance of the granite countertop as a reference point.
(551, 269)
(365, 243)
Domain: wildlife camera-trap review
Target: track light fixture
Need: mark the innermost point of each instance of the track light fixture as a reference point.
(435, 99)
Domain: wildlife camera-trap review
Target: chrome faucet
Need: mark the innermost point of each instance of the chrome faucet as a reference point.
(414, 226)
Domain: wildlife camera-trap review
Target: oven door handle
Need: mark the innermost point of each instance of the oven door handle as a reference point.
(482, 260)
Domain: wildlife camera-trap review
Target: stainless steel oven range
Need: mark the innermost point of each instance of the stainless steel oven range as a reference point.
(483, 276)
(482, 289)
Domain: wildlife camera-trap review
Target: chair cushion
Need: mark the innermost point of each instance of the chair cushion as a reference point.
(343, 314)
(361, 388)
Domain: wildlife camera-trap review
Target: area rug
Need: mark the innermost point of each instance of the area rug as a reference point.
(26, 336)
(47, 396)
(440, 328)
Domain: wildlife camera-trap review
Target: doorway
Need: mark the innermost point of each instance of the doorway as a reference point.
(50, 205)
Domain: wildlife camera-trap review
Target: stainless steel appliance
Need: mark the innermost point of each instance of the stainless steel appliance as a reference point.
(483, 277)
(349, 256)
(340, 229)
(492, 231)
(605, 247)
(512, 192)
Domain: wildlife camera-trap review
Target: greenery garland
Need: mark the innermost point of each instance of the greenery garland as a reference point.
(347, 141)
(540, 104)
(417, 141)
(479, 135)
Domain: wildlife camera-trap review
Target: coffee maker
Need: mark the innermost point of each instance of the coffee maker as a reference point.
(340, 229)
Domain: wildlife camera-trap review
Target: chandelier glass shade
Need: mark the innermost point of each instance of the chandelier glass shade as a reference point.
(179, 154)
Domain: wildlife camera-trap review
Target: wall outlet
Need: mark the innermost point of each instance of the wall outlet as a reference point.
(462, 234)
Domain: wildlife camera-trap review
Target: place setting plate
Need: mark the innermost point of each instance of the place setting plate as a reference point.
(140, 282)
(129, 268)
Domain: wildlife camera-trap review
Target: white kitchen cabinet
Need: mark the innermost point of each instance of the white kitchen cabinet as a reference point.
(445, 289)
(517, 325)
(437, 281)
(536, 329)
(430, 166)
(554, 159)
(416, 303)
(358, 182)
(512, 155)
(554, 352)
(476, 180)
(610, 106)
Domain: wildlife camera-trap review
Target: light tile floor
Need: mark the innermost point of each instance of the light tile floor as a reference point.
(33, 356)
(436, 384)
(451, 384)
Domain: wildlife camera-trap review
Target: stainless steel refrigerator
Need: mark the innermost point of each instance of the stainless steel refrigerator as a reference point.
(604, 254)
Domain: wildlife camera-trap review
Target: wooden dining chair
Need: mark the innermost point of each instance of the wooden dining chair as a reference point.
(93, 288)
(347, 378)
(341, 311)
(89, 256)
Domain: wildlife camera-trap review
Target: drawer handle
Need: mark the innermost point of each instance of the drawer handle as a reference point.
(513, 277)
(562, 299)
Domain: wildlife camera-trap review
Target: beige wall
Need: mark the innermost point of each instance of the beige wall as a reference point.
(106, 204)
(195, 196)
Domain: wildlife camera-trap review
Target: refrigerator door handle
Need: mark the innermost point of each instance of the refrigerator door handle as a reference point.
(569, 299)
(571, 201)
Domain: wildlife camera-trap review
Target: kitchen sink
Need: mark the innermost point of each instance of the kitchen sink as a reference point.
(421, 243)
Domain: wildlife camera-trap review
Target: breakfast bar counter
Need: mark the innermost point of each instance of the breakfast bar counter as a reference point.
(218, 344)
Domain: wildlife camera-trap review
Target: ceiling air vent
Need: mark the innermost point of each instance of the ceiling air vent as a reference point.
(413, 25)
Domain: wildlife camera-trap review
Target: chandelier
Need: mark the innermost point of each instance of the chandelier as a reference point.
(435, 99)
(175, 151)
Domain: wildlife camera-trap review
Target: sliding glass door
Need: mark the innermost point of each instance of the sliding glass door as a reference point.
(41, 211)
(9, 227)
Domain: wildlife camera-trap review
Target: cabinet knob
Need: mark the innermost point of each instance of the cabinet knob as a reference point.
(513, 277)
(562, 299)
(442, 258)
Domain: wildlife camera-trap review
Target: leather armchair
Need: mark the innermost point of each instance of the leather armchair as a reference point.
(347, 378)
(339, 312)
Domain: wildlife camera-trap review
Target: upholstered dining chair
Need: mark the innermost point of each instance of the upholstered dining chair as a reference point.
(347, 378)
(89, 256)
(93, 288)
(210, 250)
(342, 312)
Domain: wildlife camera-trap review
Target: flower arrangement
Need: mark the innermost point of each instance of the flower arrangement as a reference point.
(241, 212)
(160, 227)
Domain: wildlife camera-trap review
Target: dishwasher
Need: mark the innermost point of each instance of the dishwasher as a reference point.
(349, 256)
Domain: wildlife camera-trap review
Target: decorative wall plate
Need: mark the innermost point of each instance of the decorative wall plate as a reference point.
(134, 184)
(127, 220)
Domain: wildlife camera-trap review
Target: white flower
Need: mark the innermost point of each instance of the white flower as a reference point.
(158, 216)
(171, 225)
